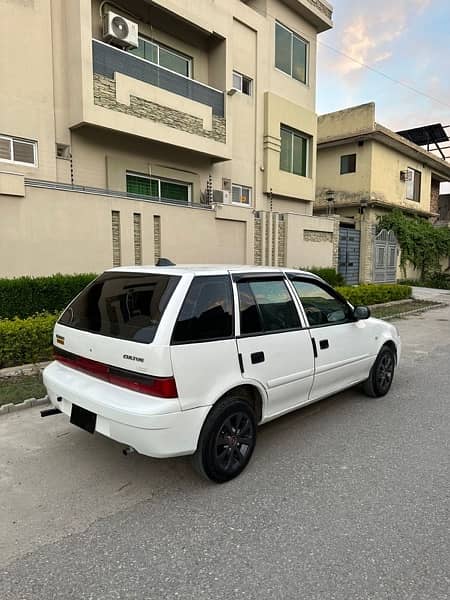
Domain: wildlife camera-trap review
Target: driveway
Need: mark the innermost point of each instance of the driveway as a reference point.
(422, 293)
(347, 499)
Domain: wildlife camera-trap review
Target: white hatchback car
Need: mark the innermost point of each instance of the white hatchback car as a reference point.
(190, 359)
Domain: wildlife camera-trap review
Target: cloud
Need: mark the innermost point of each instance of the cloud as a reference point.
(367, 34)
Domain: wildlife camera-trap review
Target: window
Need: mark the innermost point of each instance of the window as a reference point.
(348, 164)
(122, 305)
(159, 189)
(291, 53)
(413, 184)
(321, 307)
(242, 83)
(207, 311)
(294, 151)
(242, 194)
(164, 57)
(266, 306)
(18, 151)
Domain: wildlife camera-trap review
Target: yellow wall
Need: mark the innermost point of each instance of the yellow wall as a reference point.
(386, 184)
(329, 170)
(76, 235)
(26, 82)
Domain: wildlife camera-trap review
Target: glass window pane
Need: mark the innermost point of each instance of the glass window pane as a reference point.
(236, 193)
(299, 155)
(174, 191)
(286, 150)
(140, 50)
(320, 306)
(410, 184)
(283, 49)
(207, 312)
(245, 195)
(299, 58)
(5, 149)
(174, 62)
(151, 52)
(247, 86)
(417, 179)
(237, 81)
(276, 307)
(143, 186)
(23, 152)
(124, 306)
(348, 164)
(249, 313)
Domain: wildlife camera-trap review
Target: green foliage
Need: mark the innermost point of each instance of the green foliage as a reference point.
(421, 244)
(25, 341)
(331, 276)
(27, 296)
(438, 280)
(372, 293)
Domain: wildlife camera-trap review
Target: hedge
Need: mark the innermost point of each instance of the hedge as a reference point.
(27, 296)
(24, 341)
(331, 276)
(29, 340)
(373, 293)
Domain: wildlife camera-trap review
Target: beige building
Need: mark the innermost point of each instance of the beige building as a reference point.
(139, 129)
(363, 171)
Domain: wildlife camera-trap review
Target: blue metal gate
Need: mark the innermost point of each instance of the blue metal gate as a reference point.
(349, 252)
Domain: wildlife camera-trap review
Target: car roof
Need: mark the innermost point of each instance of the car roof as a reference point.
(204, 269)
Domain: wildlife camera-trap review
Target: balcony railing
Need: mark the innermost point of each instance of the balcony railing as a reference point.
(109, 60)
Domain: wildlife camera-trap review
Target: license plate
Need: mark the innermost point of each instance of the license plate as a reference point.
(83, 418)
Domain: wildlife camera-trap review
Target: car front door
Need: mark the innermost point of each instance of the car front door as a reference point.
(345, 348)
(273, 347)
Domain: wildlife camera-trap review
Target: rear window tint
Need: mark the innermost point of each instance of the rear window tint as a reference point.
(126, 306)
(207, 311)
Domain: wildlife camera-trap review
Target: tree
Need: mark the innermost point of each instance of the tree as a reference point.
(421, 244)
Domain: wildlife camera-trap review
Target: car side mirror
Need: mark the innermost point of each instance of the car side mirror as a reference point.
(361, 312)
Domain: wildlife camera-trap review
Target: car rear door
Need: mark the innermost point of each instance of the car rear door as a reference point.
(273, 347)
(345, 348)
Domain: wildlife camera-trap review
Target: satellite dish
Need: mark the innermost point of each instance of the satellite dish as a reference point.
(120, 28)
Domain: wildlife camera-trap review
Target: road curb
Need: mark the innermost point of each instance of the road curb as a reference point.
(412, 312)
(6, 409)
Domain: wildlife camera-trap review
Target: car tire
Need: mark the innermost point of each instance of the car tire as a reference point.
(381, 374)
(227, 440)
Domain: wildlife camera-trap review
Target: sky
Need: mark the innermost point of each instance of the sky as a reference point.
(408, 40)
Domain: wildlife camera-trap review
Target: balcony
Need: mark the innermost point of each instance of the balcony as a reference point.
(107, 61)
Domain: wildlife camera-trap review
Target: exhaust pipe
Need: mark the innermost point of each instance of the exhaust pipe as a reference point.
(50, 411)
(128, 450)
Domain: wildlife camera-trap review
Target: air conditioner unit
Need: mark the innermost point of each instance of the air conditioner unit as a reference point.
(226, 184)
(120, 31)
(405, 175)
(221, 197)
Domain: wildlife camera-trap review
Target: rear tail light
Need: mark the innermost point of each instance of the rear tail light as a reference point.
(162, 387)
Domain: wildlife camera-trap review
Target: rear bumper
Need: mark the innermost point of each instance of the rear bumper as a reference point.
(125, 416)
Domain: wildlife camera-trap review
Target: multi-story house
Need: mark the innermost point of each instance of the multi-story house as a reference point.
(365, 170)
(131, 130)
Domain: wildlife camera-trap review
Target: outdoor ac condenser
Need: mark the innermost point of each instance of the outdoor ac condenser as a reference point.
(120, 31)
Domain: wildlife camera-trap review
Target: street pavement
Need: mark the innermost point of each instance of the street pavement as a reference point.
(347, 499)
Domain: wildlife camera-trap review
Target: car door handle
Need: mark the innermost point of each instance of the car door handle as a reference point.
(324, 344)
(257, 357)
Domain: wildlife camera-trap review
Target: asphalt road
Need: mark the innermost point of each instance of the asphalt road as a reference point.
(346, 499)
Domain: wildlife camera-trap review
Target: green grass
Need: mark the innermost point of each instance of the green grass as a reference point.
(385, 312)
(17, 389)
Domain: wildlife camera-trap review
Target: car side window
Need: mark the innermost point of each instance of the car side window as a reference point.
(321, 307)
(266, 306)
(207, 311)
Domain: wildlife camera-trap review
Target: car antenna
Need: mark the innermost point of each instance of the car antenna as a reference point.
(165, 262)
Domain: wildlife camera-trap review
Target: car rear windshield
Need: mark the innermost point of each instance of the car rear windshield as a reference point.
(126, 306)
